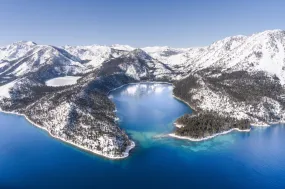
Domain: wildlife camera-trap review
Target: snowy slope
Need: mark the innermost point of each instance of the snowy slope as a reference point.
(122, 47)
(259, 52)
(136, 64)
(5, 89)
(95, 55)
(53, 59)
(16, 50)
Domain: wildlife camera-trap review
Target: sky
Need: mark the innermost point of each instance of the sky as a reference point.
(139, 23)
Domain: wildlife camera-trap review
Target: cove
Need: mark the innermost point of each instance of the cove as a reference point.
(30, 158)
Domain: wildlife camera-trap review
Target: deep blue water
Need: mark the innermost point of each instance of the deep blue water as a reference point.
(30, 158)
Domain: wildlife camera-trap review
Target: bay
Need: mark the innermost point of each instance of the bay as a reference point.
(30, 158)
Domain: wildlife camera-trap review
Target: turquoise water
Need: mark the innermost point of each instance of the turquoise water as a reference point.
(30, 158)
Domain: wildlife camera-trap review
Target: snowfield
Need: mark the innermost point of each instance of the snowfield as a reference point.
(62, 81)
(5, 89)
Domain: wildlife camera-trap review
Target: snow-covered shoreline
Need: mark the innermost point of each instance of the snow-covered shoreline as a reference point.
(254, 124)
(144, 82)
(183, 101)
(178, 125)
(257, 124)
(128, 148)
(260, 124)
(209, 137)
(125, 154)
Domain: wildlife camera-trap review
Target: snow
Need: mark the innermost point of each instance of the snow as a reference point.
(155, 49)
(97, 54)
(122, 47)
(3, 64)
(21, 70)
(44, 55)
(5, 89)
(208, 137)
(271, 61)
(232, 53)
(62, 81)
(16, 50)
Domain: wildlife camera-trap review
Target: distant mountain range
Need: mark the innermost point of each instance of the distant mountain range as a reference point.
(240, 76)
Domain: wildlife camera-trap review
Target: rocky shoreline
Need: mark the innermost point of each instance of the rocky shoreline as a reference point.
(125, 154)
(132, 145)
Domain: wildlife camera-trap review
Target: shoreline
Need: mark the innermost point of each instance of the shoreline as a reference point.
(260, 124)
(125, 154)
(179, 99)
(128, 148)
(208, 137)
(254, 124)
(177, 125)
(144, 82)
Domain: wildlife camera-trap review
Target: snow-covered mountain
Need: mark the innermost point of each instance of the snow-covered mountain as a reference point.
(138, 65)
(95, 55)
(239, 76)
(168, 55)
(259, 52)
(49, 60)
(16, 50)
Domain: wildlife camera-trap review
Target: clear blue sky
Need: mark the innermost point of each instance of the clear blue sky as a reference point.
(176, 23)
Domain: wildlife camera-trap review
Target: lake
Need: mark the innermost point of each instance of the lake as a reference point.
(30, 158)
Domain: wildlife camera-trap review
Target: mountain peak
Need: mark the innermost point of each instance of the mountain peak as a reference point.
(156, 48)
(228, 43)
(122, 47)
(139, 53)
(28, 43)
(270, 33)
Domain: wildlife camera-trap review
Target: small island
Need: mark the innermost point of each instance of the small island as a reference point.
(197, 127)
